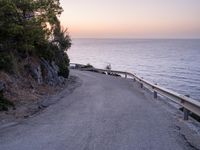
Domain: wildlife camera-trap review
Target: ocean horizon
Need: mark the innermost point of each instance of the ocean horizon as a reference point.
(171, 63)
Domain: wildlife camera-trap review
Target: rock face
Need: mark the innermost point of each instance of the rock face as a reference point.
(50, 75)
(35, 71)
(46, 72)
(37, 74)
(55, 67)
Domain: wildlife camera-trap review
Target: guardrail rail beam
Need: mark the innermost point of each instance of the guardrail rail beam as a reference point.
(186, 102)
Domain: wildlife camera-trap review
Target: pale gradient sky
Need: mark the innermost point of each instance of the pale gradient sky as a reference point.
(132, 18)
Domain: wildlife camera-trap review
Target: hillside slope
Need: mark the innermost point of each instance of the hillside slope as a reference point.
(33, 45)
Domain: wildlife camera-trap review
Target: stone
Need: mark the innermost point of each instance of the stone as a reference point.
(46, 72)
(37, 74)
(51, 77)
(62, 80)
(55, 67)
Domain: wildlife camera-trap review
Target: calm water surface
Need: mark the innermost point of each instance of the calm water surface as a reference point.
(174, 64)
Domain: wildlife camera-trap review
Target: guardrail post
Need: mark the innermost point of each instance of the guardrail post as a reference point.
(155, 95)
(108, 72)
(141, 85)
(186, 111)
(188, 106)
(125, 75)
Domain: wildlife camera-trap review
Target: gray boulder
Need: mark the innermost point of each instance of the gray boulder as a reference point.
(55, 67)
(46, 72)
(36, 73)
(62, 80)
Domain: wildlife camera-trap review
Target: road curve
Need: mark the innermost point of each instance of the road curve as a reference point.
(104, 113)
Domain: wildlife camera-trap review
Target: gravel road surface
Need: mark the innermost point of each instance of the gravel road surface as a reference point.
(103, 113)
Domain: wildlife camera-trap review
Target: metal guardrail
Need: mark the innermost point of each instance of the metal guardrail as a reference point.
(189, 104)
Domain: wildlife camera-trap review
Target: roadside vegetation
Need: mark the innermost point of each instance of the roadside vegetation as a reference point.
(4, 103)
(30, 31)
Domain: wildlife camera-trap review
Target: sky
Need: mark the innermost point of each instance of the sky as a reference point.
(131, 18)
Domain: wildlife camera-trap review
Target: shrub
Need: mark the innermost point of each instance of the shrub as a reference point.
(63, 66)
(4, 103)
(89, 66)
(47, 54)
(32, 28)
(6, 62)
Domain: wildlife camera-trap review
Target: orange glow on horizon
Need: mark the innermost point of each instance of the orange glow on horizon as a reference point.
(134, 21)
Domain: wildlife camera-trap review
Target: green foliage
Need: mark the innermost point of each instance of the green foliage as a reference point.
(31, 27)
(63, 66)
(4, 103)
(87, 66)
(61, 38)
(6, 62)
(62, 41)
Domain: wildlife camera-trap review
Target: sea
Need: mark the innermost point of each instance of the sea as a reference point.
(171, 63)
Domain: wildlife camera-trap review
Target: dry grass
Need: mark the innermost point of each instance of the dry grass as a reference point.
(25, 93)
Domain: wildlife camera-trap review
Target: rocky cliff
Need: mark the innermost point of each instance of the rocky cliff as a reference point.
(22, 92)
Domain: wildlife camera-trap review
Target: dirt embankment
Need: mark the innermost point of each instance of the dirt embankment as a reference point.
(29, 101)
(23, 92)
